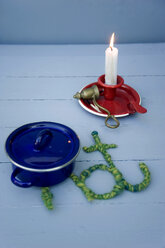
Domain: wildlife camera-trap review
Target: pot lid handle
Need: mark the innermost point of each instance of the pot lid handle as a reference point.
(42, 139)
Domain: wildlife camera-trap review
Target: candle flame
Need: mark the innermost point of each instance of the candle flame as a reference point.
(112, 41)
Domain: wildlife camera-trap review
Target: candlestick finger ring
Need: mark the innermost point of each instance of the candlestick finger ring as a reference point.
(109, 116)
(114, 118)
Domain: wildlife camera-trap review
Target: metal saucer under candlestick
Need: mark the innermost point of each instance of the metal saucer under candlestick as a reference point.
(110, 101)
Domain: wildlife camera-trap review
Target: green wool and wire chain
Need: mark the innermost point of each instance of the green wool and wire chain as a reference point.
(121, 183)
(47, 196)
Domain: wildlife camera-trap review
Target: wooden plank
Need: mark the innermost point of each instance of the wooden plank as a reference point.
(66, 193)
(138, 137)
(80, 50)
(90, 225)
(40, 61)
(64, 88)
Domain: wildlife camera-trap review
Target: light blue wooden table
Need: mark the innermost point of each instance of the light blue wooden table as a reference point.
(37, 84)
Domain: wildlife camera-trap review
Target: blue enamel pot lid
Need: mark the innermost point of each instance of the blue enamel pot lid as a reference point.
(42, 146)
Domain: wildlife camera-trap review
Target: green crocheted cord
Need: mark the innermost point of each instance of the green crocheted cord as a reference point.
(47, 196)
(121, 183)
(119, 187)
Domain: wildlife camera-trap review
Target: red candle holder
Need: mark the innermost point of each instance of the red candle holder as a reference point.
(120, 99)
(110, 90)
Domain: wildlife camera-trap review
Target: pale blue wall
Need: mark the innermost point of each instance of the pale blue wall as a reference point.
(81, 21)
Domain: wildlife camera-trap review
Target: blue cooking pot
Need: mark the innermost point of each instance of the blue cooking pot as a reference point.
(42, 153)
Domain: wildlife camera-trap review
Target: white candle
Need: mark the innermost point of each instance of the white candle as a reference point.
(111, 59)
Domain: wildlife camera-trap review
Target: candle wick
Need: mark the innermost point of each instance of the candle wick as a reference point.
(111, 48)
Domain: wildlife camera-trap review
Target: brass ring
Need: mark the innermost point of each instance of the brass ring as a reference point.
(108, 116)
(114, 118)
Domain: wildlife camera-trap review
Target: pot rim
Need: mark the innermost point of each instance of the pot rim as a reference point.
(44, 170)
